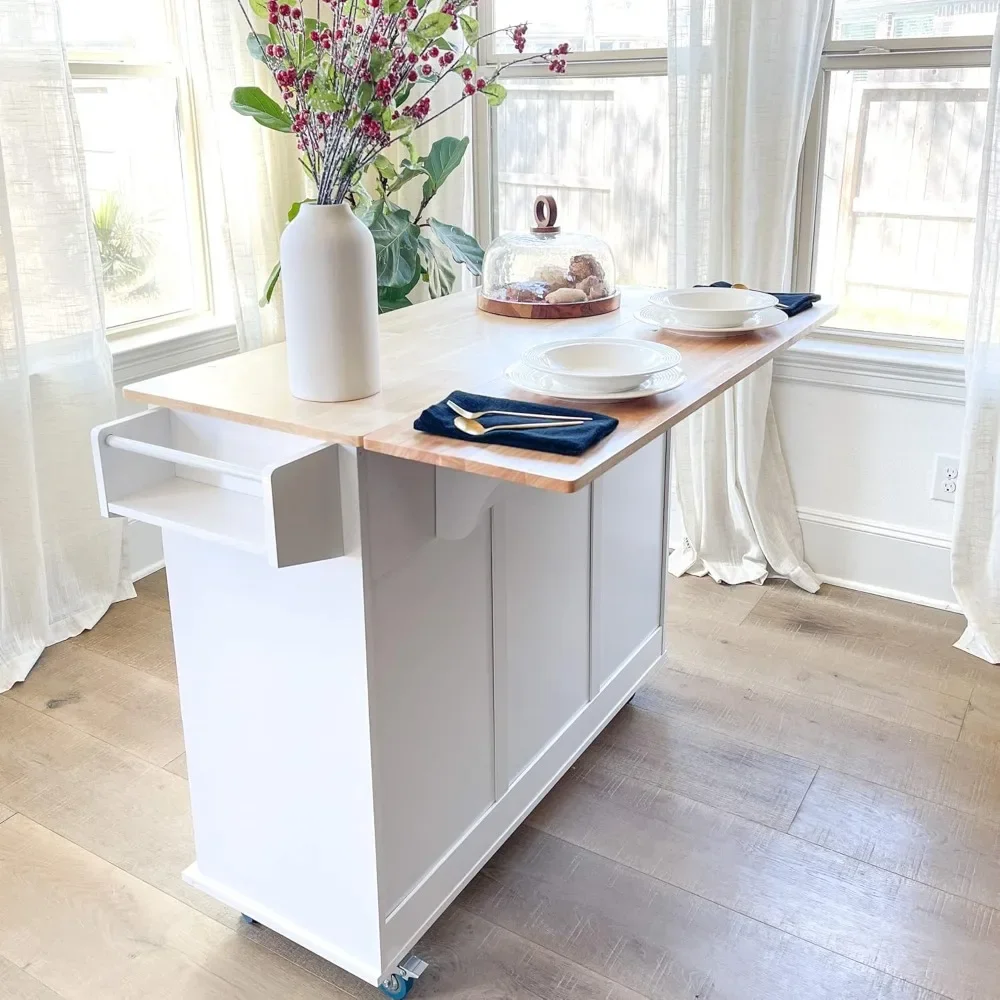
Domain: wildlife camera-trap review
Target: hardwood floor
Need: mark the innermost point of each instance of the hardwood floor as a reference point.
(802, 804)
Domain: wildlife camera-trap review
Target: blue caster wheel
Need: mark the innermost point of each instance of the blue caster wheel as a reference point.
(249, 921)
(396, 987)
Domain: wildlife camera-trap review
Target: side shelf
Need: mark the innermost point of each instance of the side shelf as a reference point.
(273, 494)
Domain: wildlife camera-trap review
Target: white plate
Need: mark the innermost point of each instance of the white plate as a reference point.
(532, 380)
(666, 319)
(601, 364)
(714, 308)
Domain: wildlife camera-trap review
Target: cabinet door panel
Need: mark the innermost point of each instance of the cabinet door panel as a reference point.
(628, 558)
(542, 554)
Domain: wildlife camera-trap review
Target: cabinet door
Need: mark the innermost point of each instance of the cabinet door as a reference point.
(542, 607)
(628, 562)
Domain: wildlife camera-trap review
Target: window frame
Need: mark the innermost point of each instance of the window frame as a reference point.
(959, 51)
(884, 53)
(594, 65)
(96, 64)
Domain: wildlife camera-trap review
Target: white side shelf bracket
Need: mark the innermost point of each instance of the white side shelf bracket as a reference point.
(459, 501)
(273, 494)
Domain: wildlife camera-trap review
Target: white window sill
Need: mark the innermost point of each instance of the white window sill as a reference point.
(138, 356)
(886, 368)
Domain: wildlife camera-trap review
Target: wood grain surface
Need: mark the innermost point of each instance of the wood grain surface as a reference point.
(433, 348)
(766, 821)
(550, 310)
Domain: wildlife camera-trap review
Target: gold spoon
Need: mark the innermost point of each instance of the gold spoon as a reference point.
(509, 413)
(475, 429)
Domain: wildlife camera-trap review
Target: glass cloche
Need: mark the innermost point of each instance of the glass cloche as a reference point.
(549, 274)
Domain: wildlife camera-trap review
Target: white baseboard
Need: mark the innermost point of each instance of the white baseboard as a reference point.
(873, 557)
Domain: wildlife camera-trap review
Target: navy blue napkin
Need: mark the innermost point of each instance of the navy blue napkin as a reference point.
(440, 419)
(793, 303)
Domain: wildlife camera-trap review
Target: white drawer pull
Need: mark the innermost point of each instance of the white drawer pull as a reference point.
(184, 458)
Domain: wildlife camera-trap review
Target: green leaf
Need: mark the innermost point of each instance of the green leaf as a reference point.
(310, 24)
(393, 7)
(443, 44)
(407, 171)
(395, 297)
(322, 97)
(417, 43)
(259, 7)
(272, 282)
(294, 210)
(385, 167)
(433, 24)
(403, 121)
(396, 245)
(253, 102)
(256, 43)
(362, 199)
(387, 303)
(463, 247)
(403, 95)
(437, 263)
(378, 63)
(470, 29)
(496, 94)
(445, 155)
(365, 94)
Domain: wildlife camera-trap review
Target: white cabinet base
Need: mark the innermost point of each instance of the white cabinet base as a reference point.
(432, 896)
(364, 731)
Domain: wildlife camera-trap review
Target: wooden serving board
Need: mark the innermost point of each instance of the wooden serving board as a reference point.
(548, 310)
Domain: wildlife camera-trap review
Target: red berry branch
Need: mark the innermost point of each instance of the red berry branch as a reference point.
(363, 79)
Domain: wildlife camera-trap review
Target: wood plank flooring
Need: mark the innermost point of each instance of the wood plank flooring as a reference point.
(803, 803)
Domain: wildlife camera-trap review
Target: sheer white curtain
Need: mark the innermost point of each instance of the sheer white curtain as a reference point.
(975, 556)
(251, 174)
(742, 76)
(61, 564)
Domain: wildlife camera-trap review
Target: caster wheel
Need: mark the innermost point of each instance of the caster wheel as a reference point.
(395, 987)
(249, 921)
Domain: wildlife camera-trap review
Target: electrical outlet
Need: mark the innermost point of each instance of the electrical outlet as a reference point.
(945, 478)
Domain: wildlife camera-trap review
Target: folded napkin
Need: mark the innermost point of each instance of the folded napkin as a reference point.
(440, 419)
(792, 302)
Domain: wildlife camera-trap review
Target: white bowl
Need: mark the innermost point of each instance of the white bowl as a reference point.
(714, 308)
(602, 364)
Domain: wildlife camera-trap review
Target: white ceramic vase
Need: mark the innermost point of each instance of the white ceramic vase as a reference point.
(330, 293)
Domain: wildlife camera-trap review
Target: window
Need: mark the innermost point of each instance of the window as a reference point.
(137, 131)
(890, 175)
(898, 139)
(582, 135)
(588, 25)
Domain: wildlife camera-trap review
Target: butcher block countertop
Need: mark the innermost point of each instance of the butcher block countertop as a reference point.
(430, 349)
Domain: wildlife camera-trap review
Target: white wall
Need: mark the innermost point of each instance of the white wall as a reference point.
(860, 437)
